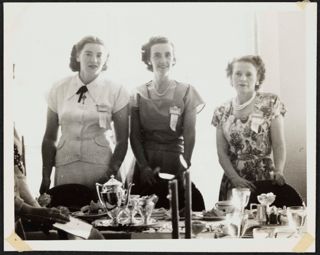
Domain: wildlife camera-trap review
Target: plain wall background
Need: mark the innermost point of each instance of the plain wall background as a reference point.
(40, 37)
(282, 44)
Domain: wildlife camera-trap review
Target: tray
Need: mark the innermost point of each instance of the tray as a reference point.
(88, 217)
(106, 224)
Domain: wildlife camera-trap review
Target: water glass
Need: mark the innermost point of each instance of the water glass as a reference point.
(240, 197)
(296, 217)
(197, 227)
(132, 207)
(146, 208)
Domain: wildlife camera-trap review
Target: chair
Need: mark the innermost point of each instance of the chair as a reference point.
(286, 195)
(73, 196)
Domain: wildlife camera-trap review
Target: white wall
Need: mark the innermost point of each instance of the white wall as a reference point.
(39, 38)
(282, 44)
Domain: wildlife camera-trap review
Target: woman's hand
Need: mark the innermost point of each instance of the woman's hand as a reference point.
(278, 179)
(45, 185)
(239, 182)
(47, 216)
(44, 200)
(55, 215)
(147, 176)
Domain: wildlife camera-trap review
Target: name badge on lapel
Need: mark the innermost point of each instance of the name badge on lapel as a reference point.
(256, 121)
(174, 111)
(103, 111)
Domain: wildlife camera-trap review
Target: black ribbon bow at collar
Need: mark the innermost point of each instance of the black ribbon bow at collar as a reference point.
(81, 91)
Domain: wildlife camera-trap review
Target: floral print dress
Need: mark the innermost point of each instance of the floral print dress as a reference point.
(249, 138)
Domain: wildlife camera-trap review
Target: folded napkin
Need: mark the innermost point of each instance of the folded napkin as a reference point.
(76, 227)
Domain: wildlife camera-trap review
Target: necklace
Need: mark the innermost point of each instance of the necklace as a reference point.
(164, 92)
(239, 107)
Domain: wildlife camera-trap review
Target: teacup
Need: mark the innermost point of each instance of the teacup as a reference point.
(225, 206)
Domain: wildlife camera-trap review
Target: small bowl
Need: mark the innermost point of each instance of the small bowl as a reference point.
(225, 206)
(266, 199)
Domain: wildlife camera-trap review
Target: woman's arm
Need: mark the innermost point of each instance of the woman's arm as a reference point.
(23, 188)
(121, 129)
(278, 146)
(49, 149)
(43, 214)
(136, 141)
(230, 172)
(189, 134)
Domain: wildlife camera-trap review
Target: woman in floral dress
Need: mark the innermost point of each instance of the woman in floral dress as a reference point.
(250, 131)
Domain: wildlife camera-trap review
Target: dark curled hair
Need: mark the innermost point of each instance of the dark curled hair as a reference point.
(256, 61)
(76, 49)
(146, 49)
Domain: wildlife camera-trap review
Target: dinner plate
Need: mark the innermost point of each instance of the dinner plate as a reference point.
(89, 217)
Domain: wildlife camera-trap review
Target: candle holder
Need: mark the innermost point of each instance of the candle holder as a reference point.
(174, 208)
(188, 204)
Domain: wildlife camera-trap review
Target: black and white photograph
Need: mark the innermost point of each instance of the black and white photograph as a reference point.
(161, 127)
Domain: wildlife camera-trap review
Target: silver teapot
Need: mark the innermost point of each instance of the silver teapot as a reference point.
(111, 194)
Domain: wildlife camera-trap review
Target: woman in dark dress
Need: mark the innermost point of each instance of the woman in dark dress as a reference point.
(163, 119)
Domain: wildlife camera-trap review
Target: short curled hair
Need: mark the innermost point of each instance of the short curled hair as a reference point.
(146, 49)
(256, 61)
(77, 48)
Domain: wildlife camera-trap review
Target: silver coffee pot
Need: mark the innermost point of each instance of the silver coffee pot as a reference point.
(111, 194)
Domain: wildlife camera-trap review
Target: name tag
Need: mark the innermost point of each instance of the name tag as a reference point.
(174, 111)
(103, 108)
(256, 121)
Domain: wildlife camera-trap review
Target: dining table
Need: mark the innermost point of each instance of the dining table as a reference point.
(214, 228)
(161, 228)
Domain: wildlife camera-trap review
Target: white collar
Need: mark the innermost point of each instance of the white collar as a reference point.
(92, 87)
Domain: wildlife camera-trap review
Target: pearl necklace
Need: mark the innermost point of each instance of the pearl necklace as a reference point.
(164, 92)
(239, 107)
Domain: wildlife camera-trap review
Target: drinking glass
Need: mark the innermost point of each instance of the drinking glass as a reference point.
(146, 207)
(240, 197)
(123, 216)
(296, 218)
(132, 207)
(266, 199)
(236, 222)
(197, 227)
(113, 214)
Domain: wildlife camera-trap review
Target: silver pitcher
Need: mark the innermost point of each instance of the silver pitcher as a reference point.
(111, 194)
(261, 212)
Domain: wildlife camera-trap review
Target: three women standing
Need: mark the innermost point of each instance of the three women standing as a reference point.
(84, 105)
(163, 118)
